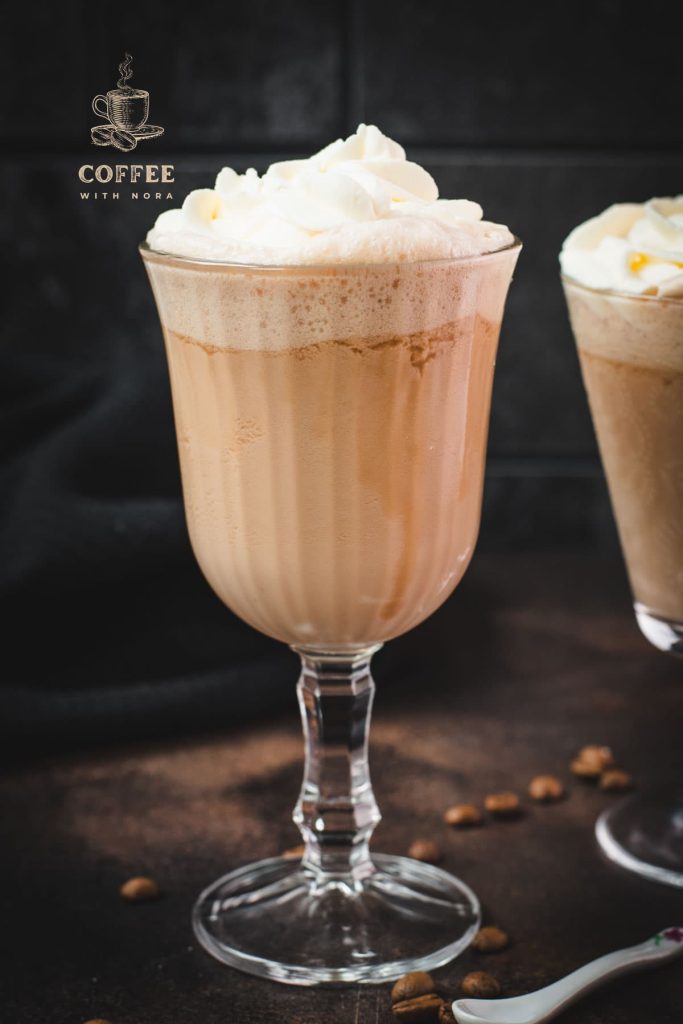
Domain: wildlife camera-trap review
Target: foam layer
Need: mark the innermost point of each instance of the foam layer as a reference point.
(356, 201)
(641, 331)
(270, 310)
(630, 247)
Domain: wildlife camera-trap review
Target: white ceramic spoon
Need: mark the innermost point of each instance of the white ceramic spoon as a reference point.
(535, 1007)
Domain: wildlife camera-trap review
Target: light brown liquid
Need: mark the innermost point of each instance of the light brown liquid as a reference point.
(333, 488)
(631, 352)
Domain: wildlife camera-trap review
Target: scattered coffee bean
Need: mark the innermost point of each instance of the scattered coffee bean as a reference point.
(426, 850)
(480, 984)
(97, 1020)
(614, 780)
(408, 986)
(585, 769)
(420, 1010)
(503, 805)
(591, 761)
(463, 816)
(602, 755)
(546, 789)
(490, 939)
(294, 853)
(139, 890)
(446, 1014)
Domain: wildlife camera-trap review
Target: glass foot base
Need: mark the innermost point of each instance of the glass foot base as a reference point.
(281, 921)
(664, 634)
(645, 835)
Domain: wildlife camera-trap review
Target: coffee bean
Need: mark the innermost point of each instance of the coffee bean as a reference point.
(591, 761)
(600, 755)
(417, 983)
(585, 769)
(420, 1010)
(139, 890)
(97, 1020)
(426, 850)
(503, 805)
(481, 985)
(108, 135)
(294, 853)
(463, 816)
(123, 140)
(446, 1014)
(614, 780)
(100, 135)
(490, 939)
(546, 789)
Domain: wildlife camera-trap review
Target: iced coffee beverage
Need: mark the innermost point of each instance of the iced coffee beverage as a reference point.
(332, 427)
(331, 330)
(332, 410)
(623, 278)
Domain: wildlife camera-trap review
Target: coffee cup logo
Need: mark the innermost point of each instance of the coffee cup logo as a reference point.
(125, 111)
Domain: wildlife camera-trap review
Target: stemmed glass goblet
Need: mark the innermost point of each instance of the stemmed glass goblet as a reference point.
(332, 424)
(631, 352)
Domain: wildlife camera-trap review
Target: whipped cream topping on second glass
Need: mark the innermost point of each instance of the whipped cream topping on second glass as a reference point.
(630, 247)
(357, 200)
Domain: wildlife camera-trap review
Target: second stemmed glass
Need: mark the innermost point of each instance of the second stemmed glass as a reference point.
(631, 352)
(332, 425)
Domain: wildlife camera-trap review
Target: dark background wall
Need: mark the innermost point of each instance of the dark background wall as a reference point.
(544, 113)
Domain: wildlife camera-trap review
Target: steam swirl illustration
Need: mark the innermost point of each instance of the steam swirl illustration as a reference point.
(125, 111)
(125, 73)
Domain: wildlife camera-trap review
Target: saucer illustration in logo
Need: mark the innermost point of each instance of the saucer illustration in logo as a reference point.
(125, 111)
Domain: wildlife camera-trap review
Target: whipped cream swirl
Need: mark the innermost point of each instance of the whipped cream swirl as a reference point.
(357, 200)
(631, 247)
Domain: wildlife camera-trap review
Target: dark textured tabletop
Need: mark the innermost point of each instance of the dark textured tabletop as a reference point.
(532, 658)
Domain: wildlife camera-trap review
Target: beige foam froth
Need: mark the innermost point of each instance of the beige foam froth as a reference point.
(283, 308)
(640, 330)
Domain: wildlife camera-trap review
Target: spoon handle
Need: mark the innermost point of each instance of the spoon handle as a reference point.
(550, 1000)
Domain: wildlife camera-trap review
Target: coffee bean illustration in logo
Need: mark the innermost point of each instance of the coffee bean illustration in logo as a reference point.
(125, 111)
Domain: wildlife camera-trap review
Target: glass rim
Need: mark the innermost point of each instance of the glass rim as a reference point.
(616, 293)
(146, 251)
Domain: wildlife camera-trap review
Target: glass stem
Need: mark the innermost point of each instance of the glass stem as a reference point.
(336, 811)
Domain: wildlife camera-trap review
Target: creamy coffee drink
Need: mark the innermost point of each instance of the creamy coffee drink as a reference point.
(331, 331)
(332, 430)
(623, 278)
